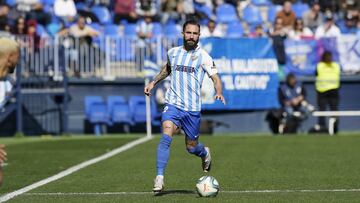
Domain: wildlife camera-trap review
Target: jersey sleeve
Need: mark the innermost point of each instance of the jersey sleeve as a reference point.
(208, 65)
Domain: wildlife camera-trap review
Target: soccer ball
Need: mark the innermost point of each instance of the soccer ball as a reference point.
(207, 186)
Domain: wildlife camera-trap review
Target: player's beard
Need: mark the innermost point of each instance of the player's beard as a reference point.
(190, 44)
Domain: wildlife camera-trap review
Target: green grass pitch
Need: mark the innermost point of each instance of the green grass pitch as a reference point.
(241, 164)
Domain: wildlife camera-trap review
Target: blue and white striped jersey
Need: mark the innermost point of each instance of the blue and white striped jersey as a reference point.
(187, 73)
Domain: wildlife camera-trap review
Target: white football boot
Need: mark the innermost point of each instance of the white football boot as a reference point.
(206, 161)
(158, 184)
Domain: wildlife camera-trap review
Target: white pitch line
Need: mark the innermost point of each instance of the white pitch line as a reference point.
(73, 169)
(169, 192)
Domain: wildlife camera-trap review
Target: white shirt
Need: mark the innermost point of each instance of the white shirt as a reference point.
(188, 69)
(64, 8)
(306, 32)
(334, 31)
(205, 32)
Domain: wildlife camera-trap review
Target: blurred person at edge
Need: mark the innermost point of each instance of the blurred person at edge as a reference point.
(9, 57)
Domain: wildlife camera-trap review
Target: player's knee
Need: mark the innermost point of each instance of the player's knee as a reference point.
(191, 149)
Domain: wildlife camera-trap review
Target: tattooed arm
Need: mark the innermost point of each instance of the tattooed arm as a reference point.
(165, 71)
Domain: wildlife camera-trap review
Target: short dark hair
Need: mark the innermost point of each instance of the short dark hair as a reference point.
(326, 56)
(191, 22)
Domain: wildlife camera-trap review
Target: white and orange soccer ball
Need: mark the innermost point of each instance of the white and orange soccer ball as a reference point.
(207, 186)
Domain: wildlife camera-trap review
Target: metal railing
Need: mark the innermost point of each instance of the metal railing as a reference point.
(104, 57)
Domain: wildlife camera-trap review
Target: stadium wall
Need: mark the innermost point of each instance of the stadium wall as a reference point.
(224, 121)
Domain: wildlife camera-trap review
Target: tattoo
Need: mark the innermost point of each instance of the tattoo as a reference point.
(165, 71)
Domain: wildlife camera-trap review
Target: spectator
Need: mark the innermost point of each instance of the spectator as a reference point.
(258, 32)
(4, 12)
(287, 15)
(144, 33)
(278, 35)
(313, 18)
(349, 25)
(292, 98)
(146, 7)
(328, 29)
(327, 87)
(172, 10)
(20, 27)
(299, 31)
(65, 9)
(358, 29)
(34, 38)
(82, 30)
(125, 10)
(33, 9)
(211, 30)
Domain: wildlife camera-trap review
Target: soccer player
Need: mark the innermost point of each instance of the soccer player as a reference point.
(186, 65)
(9, 57)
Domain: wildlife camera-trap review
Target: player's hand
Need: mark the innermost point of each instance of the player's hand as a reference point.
(220, 97)
(148, 88)
(2, 153)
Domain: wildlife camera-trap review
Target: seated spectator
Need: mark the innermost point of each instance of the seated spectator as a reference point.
(172, 10)
(146, 7)
(292, 99)
(258, 32)
(287, 15)
(328, 29)
(313, 18)
(33, 37)
(299, 31)
(125, 10)
(33, 9)
(349, 25)
(211, 30)
(4, 12)
(65, 9)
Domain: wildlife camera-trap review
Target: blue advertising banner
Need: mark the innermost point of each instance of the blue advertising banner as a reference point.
(301, 56)
(248, 70)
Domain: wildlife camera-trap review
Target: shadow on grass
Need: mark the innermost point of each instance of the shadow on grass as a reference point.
(175, 192)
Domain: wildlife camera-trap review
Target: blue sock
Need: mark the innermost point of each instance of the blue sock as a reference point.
(198, 150)
(163, 153)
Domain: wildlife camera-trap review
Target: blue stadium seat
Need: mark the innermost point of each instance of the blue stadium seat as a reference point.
(226, 13)
(261, 2)
(81, 6)
(300, 9)
(271, 14)
(103, 14)
(252, 15)
(53, 28)
(130, 30)
(205, 10)
(41, 31)
(11, 2)
(157, 29)
(138, 110)
(119, 110)
(172, 31)
(96, 112)
(48, 2)
(111, 30)
(235, 30)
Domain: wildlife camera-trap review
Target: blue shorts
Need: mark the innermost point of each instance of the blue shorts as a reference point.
(189, 121)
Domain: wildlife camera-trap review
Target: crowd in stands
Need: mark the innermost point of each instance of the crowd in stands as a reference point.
(295, 19)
